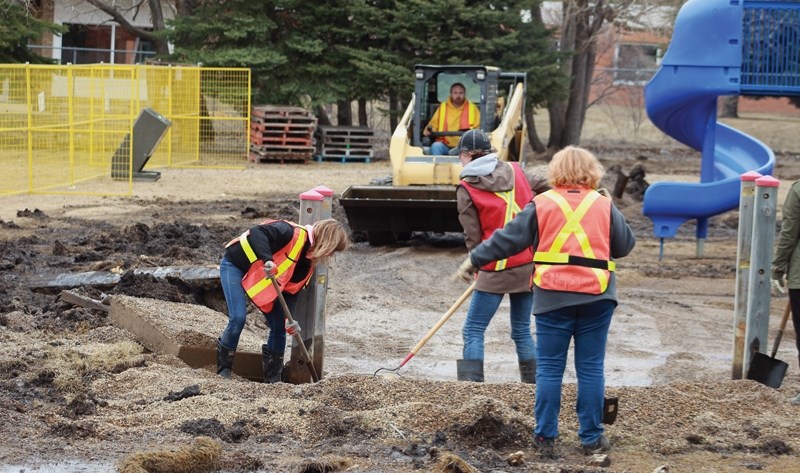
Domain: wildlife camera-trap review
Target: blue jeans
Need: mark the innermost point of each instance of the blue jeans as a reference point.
(588, 324)
(231, 278)
(481, 310)
(439, 148)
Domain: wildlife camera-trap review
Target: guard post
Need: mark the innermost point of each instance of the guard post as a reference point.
(744, 239)
(758, 293)
(315, 205)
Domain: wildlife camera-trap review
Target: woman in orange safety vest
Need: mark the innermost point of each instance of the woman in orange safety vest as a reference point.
(576, 232)
(274, 248)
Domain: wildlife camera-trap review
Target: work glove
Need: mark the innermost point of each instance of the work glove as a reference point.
(466, 271)
(604, 192)
(269, 269)
(292, 327)
(778, 286)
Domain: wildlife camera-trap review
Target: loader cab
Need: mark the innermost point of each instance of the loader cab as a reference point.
(432, 88)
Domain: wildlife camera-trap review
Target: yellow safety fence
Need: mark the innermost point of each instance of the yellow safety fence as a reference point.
(62, 128)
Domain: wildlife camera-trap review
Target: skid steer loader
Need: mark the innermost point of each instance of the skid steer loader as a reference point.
(421, 194)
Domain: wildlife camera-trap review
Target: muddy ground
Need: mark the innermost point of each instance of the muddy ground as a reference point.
(79, 394)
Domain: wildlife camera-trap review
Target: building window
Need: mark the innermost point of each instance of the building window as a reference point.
(634, 64)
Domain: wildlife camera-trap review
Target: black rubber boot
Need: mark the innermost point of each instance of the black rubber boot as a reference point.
(470, 370)
(224, 360)
(272, 362)
(527, 371)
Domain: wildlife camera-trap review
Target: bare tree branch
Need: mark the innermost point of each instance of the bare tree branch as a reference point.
(120, 18)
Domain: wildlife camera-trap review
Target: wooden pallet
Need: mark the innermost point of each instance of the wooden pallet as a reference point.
(335, 143)
(256, 125)
(270, 112)
(277, 158)
(287, 139)
(280, 153)
(342, 158)
(281, 133)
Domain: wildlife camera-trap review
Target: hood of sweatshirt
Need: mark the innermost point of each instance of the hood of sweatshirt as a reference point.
(489, 174)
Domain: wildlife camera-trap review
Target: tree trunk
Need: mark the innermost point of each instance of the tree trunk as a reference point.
(393, 110)
(580, 81)
(158, 23)
(157, 15)
(344, 115)
(186, 7)
(556, 113)
(362, 113)
(322, 116)
(729, 106)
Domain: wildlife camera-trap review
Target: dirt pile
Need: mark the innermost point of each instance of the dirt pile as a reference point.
(76, 388)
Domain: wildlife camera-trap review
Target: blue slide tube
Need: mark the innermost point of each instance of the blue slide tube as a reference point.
(703, 62)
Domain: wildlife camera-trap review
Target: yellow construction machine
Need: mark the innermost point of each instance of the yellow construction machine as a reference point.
(421, 193)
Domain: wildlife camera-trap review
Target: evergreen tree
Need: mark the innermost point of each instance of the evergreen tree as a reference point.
(19, 27)
(234, 33)
(317, 52)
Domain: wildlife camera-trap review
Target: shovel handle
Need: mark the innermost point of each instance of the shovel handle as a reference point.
(444, 318)
(786, 311)
(297, 337)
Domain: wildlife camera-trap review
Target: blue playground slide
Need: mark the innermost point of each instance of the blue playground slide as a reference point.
(719, 47)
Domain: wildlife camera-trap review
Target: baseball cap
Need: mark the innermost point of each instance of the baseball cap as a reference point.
(472, 140)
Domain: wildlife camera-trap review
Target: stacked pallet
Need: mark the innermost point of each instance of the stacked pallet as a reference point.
(281, 134)
(343, 143)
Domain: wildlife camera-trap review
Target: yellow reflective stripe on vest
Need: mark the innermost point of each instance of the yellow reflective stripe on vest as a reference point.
(291, 257)
(471, 113)
(512, 209)
(258, 287)
(248, 250)
(572, 227)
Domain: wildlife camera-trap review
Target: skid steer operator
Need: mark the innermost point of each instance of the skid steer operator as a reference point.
(576, 232)
(491, 193)
(274, 248)
(455, 114)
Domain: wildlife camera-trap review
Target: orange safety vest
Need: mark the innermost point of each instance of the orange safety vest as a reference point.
(255, 283)
(574, 241)
(468, 115)
(496, 209)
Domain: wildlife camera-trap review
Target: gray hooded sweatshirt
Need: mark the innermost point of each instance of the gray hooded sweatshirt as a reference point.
(489, 174)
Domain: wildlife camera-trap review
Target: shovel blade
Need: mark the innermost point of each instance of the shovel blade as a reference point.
(767, 370)
(610, 408)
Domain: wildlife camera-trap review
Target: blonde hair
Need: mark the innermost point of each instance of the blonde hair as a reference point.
(329, 237)
(575, 167)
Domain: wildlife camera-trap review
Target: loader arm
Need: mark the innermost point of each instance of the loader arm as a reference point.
(508, 138)
(422, 193)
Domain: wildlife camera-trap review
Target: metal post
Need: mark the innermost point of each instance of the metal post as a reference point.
(758, 293)
(310, 309)
(746, 197)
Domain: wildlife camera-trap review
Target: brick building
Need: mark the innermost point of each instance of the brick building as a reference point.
(93, 36)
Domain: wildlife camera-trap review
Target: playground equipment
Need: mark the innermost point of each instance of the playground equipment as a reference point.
(719, 47)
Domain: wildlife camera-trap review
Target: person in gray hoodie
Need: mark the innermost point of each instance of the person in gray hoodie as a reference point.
(576, 233)
(490, 194)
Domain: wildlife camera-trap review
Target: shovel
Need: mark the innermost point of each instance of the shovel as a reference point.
(433, 329)
(296, 334)
(766, 369)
